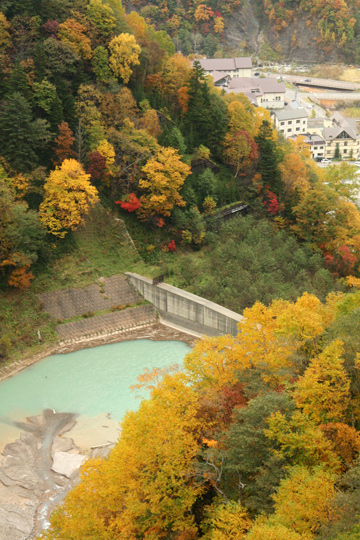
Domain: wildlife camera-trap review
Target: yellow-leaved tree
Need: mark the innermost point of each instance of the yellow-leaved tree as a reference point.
(227, 522)
(301, 441)
(145, 488)
(165, 175)
(69, 196)
(267, 529)
(124, 54)
(323, 391)
(294, 174)
(303, 500)
(215, 362)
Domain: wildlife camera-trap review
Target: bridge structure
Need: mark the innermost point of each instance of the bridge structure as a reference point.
(323, 84)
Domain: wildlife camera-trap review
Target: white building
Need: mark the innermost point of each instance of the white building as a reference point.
(291, 122)
(267, 93)
(342, 135)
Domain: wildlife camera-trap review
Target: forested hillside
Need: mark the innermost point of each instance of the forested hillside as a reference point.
(96, 106)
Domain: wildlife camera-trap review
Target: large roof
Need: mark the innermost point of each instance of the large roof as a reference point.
(341, 124)
(291, 114)
(225, 64)
(218, 76)
(256, 85)
(333, 132)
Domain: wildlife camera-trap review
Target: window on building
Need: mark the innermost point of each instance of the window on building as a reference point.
(298, 121)
(304, 121)
(289, 130)
(282, 130)
(345, 143)
(282, 123)
(277, 98)
(289, 122)
(297, 129)
(345, 151)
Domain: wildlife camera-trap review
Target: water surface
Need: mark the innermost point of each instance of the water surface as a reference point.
(88, 382)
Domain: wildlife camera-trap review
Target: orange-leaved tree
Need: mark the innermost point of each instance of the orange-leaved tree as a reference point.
(73, 34)
(165, 175)
(69, 196)
(64, 144)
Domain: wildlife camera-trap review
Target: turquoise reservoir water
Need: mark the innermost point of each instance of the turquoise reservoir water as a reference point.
(87, 382)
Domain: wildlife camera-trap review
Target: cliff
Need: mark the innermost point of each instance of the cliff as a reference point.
(299, 41)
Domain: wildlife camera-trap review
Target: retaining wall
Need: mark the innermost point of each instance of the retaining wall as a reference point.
(187, 310)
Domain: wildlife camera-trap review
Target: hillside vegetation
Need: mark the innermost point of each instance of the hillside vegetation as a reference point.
(102, 124)
(256, 438)
(316, 27)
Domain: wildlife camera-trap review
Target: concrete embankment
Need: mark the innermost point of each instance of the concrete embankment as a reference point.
(187, 310)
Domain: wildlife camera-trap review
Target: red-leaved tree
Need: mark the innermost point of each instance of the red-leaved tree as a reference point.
(131, 203)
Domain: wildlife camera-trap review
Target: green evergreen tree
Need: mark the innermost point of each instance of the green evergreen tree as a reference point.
(100, 65)
(269, 159)
(337, 154)
(206, 119)
(197, 115)
(18, 81)
(21, 137)
(176, 140)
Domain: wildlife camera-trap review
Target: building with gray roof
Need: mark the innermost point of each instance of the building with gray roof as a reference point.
(291, 122)
(234, 67)
(268, 92)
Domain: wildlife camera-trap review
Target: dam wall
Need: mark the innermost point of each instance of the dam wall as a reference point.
(185, 309)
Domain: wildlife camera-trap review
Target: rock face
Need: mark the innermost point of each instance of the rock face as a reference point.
(67, 464)
(36, 472)
(244, 26)
(297, 42)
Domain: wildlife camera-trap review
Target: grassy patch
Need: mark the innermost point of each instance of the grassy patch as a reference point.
(351, 75)
(21, 316)
(91, 314)
(99, 248)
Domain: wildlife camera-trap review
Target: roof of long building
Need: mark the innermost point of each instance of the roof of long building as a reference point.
(256, 85)
(225, 64)
(291, 114)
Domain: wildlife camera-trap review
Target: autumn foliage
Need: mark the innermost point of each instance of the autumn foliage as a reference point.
(188, 445)
(68, 197)
(131, 203)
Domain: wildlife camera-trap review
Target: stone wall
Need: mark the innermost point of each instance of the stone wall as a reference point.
(187, 310)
